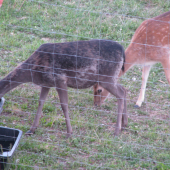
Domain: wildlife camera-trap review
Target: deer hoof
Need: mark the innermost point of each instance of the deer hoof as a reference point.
(68, 135)
(123, 127)
(117, 132)
(29, 132)
(136, 106)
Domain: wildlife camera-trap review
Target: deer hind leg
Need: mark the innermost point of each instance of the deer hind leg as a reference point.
(145, 75)
(120, 93)
(43, 95)
(63, 95)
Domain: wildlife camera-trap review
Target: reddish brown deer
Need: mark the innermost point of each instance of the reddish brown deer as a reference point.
(79, 65)
(149, 45)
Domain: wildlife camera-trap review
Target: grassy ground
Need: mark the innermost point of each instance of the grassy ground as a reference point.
(24, 26)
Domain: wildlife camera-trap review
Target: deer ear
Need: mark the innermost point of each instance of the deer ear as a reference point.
(99, 91)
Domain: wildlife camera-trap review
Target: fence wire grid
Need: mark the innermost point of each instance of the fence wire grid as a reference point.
(145, 142)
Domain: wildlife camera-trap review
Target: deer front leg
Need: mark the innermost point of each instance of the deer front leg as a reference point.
(43, 95)
(145, 75)
(63, 95)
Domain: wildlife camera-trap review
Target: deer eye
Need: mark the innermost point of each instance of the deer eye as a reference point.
(99, 91)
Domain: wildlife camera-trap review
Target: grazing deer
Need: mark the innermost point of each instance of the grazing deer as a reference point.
(149, 45)
(79, 65)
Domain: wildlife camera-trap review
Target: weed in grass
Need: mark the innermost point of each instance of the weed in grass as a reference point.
(162, 166)
(48, 108)
(142, 112)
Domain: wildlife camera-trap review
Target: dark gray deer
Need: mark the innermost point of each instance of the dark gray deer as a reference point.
(79, 65)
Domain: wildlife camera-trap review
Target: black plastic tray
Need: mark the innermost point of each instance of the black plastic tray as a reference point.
(9, 140)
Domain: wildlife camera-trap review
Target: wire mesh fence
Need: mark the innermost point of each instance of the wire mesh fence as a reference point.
(144, 143)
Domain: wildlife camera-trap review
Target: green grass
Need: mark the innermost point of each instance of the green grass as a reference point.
(145, 144)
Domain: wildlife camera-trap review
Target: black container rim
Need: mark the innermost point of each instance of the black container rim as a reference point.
(10, 153)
